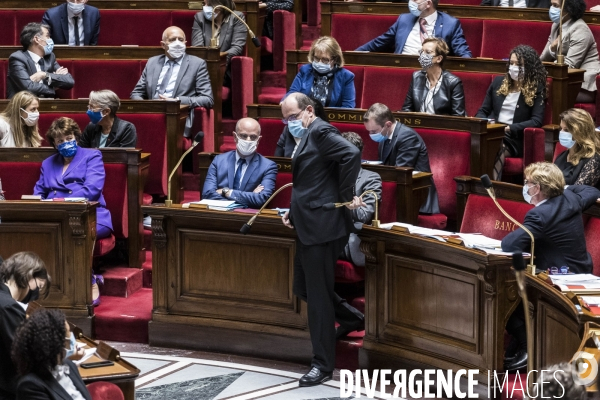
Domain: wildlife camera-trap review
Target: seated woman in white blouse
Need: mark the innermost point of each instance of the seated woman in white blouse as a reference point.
(19, 122)
(516, 99)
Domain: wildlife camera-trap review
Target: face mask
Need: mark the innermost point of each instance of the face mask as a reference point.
(32, 118)
(49, 46)
(32, 295)
(321, 68)
(72, 346)
(566, 139)
(95, 116)
(208, 12)
(176, 49)
(246, 147)
(75, 8)
(68, 149)
(554, 13)
(378, 137)
(413, 7)
(426, 60)
(514, 71)
(526, 194)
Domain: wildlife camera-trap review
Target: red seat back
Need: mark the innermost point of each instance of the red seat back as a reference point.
(46, 120)
(120, 76)
(185, 20)
(117, 27)
(62, 93)
(19, 178)
(558, 148)
(501, 36)
(369, 146)
(344, 28)
(284, 198)
(115, 195)
(387, 205)
(7, 29)
(359, 77)
(482, 216)
(386, 85)
(23, 17)
(3, 72)
(591, 230)
(475, 85)
(270, 130)
(473, 30)
(449, 156)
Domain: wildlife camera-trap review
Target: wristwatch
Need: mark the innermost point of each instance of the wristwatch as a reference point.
(225, 191)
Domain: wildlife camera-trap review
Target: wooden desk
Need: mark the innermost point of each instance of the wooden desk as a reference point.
(63, 235)
(218, 290)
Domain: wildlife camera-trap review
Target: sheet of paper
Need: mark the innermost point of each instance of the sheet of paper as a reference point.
(216, 203)
(574, 278)
(592, 301)
(87, 353)
(477, 240)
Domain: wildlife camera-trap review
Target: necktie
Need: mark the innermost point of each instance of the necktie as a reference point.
(166, 78)
(237, 179)
(424, 34)
(76, 30)
(42, 65)
(511, 3)
(386, 145)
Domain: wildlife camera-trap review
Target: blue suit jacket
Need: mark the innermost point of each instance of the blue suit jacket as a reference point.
(557, 227)
(83, 178)
(343, 93)
(221, 172)
(446, 27)
(57, 18)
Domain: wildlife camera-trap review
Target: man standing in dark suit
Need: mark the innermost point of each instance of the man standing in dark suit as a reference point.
(324, 170)
(400, 146)
(73, 23)
(35, 68)
(176, 75)
(557, 227)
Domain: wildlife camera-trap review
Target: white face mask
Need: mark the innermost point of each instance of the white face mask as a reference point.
(76, 8)
(176, 49)
(514, 71)
(32, 118)
(246, 147)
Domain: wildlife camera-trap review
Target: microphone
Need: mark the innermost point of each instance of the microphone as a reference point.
(213, 40)
(197, 139)
(248, 225)
(374, 223)
(487, 184)
(560, 58)
(519, 267)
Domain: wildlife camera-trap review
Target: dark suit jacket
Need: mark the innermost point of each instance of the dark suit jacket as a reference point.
(407, 149)
(343, 92)
(84, 177)
(557, 227)
(324, 170)
(192, 85)
(285, 144)
(530, 3)
(34, 387)
(232, 38)
(21, 67)
(122, 134)
(11, 316)
(221, 173)
(446, 27)
(449, 99)
(58, 20)
(525, 116)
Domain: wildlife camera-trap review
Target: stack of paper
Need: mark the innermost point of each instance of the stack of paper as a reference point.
(577, 282)
(218, 205)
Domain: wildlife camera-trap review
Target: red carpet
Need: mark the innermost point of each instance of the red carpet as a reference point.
(124, 319)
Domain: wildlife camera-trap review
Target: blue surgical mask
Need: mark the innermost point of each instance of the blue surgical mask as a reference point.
(68, 149)
(72, 346)
(566, 139)
(76, 8)
(49, 46)
(95, 116)
(554, 13)
(296, 129)
(208, 12)
(321, 67)
(414, 8)
(526, 194)
(377, 137)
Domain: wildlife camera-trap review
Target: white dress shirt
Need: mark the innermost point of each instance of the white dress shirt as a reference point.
(413, 41)
(36, 60)
(244, 168)
(427, 106)
(297, 140)
(61, 374)
(6, 136)
(72, 27)
(171, 85)
(507, 112)
(517, 4)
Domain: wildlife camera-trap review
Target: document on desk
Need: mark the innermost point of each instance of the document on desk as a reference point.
(417, 230)
(219, 205)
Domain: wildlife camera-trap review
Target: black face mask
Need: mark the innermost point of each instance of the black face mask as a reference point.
(33, 295)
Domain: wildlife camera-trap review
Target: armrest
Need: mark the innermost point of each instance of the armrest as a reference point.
(242, 85)
(533, 145)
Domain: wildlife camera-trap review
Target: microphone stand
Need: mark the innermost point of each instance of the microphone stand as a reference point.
(246, 228)
(560, 58)
(169, 202)
(213, 40)
(519, 267)
(374, 223)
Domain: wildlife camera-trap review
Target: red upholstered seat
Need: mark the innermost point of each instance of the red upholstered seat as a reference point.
(386, 85)
(434, 221)
(344, 29)
(359, 78)
(284, 198)
(3, 72)
(346, 272)
(266, 45)
(271, 95)
(115, 194)
(242, 85)
(7, 29)
(482, 216)
(313, 12)
(105, 391)
(592, 227)
(146, 199)
(473, 30)
(46, 120)
(104, 246)
(589, 107)
(204, 120)
(558, 148)
(19, 178)
(113, 21)
(270, 130)
(185, 20)
(120, 76)
(369, 146)
(387, 205)
(512, 33)
(284, 37)
(475, 85)
(61, 93)
(533, 151)
(23, 17)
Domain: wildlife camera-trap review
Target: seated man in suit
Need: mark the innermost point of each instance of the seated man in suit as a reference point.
(73, 23)
(517, 3)
(400, 146)
(557, 227)
(176, 75)
(241, 175)
(408, 32)
(35, 68)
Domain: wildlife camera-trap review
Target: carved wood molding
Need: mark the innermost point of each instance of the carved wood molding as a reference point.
(369, 249)
(159, 236)
(76, 224)
(488, 277)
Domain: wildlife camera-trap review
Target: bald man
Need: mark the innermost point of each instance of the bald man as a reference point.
(242, 175)
(175, 75)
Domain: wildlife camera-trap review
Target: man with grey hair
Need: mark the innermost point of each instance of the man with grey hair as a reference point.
(176, 75)
(242, 175)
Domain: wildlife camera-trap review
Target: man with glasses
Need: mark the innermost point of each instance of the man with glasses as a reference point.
(242, 175)
(410, 30)
(73, 23)
(34, 68)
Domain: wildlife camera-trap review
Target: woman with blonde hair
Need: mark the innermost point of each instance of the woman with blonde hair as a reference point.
(325, 78)
(19, 122)
(580, 163)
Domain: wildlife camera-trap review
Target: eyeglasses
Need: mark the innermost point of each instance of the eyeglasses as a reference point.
(427, 52)
(246, 136)
(291, 118)
(92, 108)
(526, 182)
(322, 60)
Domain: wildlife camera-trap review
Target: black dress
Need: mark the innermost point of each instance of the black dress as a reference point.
(586, 172)
(11, 316)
